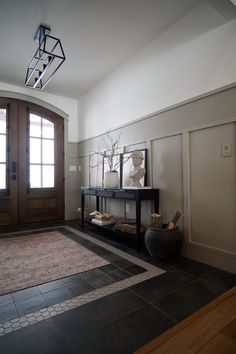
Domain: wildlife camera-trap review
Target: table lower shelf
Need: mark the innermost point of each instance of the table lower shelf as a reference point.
(113, 228)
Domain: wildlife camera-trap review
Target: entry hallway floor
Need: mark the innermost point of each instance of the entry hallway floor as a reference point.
(117, 308)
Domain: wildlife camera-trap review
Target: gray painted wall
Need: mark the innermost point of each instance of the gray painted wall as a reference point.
(71, 185)
(185, 161)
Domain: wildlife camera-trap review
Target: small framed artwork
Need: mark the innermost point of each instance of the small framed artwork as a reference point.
(134, 169)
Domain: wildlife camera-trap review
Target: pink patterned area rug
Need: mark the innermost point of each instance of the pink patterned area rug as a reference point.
(34, 259)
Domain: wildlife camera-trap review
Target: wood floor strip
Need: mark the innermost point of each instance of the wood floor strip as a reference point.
(220, 344)
(191, 334)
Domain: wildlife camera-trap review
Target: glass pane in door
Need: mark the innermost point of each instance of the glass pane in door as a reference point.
(35, 150)
(3, 121)
(35, 125)
(3, 151)
(35, 176)
(2, 176)
(48, 151)
(2, 148)
(48, 176)
(48, 129)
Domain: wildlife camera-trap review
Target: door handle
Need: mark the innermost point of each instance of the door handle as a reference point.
(14, 170)
(14, 167)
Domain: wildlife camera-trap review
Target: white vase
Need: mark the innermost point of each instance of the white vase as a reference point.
(111, 179)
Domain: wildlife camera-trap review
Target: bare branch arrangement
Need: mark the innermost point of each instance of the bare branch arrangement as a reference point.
(111, 150)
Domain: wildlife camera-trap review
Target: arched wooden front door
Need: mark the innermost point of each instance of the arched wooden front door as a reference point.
(31, 163)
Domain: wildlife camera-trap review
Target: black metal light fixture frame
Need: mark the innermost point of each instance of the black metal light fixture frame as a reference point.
(46, 61)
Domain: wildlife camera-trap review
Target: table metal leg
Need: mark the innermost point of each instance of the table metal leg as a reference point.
(82, 210)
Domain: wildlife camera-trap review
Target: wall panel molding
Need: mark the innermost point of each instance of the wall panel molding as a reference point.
(163, 131)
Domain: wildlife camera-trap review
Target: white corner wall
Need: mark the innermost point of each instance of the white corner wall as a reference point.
(67, 105)
(169, 70)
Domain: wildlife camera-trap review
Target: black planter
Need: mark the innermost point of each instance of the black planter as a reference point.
(163, 243)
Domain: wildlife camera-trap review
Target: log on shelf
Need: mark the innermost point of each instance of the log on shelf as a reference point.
(129, 228)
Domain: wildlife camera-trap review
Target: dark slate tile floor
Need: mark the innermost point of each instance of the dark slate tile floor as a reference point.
(184, 301)
(118, 323)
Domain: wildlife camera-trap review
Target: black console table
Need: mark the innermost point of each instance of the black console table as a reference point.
(137, 195)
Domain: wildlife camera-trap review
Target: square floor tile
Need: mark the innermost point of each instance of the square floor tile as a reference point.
(31, 304)
(50, 286)
(25, 293)
(71, 280)
(221, 278)
(97, 278)
(40, 338)
(193, 267)
(80, 287)
(189, 299)
(126, 334)
(8, 312)
(135, 269)
(108, 268)
(157, 262)
(119, 274)
(5, 299)
(57, 295)
(122, 263)
(157, 287)
(83, 320)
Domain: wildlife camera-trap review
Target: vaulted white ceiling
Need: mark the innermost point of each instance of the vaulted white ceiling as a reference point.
(97, 36)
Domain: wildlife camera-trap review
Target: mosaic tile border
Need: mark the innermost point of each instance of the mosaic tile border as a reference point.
(54, 310)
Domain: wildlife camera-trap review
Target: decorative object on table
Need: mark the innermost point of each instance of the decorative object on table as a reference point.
(156, 221)
(134, 171)
(111, 179)
(163, 243)
(111, 161)
(137, 171)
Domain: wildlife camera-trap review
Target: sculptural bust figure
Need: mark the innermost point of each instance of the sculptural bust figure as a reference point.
(138, 171)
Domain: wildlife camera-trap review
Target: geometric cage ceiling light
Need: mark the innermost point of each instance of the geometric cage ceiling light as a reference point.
(46, 61)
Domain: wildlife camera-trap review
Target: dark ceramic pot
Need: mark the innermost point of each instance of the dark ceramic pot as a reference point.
(163, 243)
